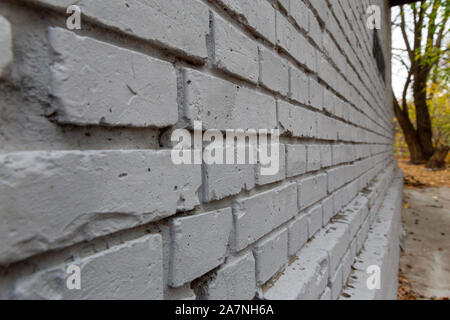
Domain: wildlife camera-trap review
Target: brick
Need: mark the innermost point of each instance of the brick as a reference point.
(315, 94)
(299, 13)
(70, 196)
(303, 279)
(312, 189)
(162, 22)
(335, 284)
(270, 255)
(133, 270)
(273, 72)
(296, 121)
(299, 85)
(234, 280)
(257, 215)
(290, 39)
(281, 173)
(295, 160)
(336, 178)
(298, 234)
(314, 220)
(142, 92)
(233, 51)
(328, 210)
(326, 156)
(199, 244)
(224, 180)
(6, 53)
(335, 240)
(258, 15)
(311, 56)
(314, 157)
(314, 29)
(326, 127)
(222, 105)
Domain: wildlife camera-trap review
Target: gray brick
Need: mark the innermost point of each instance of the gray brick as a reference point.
(270, 255)
(304, 279)
(222, 105)
(314, 220)
(234, 280)
(299, 85)
(259, 214)
(133, 270)
(259, 15)
(198, 244)
(298, 234)
(234, 52)
(273, 72)
(70, 196)
(312, 189)
(295, 160)
(151, 20)
(281, 173)
(296, 121)
(314, 157)
(142, 92)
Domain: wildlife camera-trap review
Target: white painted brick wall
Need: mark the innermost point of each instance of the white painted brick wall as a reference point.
(87, 176)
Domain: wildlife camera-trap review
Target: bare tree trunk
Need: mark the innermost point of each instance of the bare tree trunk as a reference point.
(410, 134)
(423, 119)
(437, 161)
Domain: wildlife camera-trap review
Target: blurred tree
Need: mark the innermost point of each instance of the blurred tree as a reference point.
(428, 74)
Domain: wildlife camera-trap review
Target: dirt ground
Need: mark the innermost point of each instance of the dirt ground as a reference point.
(425, 261)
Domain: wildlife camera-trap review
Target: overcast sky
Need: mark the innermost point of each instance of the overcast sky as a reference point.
(399, 73)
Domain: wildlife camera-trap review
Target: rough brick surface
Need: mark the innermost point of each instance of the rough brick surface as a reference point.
(141, 92)
(167, 26)
(311, 190)
(109, 191)
(273, 72)
(199, 244)
(270, 255)
(223, 105)
(295, 160)
(258, 215)
(233, 51)
(235, 280)
(133, 270)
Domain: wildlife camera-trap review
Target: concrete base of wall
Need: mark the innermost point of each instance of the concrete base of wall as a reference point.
(334, 263)
(381, 248)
